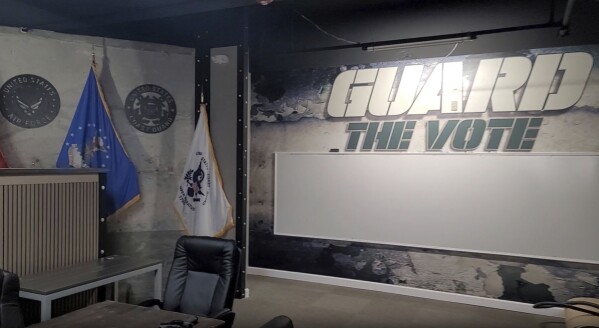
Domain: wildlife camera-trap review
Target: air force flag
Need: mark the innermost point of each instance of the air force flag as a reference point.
(92, 142)
(201, 201)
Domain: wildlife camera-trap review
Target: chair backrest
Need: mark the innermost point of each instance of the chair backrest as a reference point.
(203, 277)
(10, 311)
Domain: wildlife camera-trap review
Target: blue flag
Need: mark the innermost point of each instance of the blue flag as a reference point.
(92, 142)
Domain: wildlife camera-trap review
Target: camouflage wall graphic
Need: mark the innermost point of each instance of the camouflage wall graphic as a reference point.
(538, 100)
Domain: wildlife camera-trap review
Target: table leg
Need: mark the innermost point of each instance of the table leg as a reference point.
(115, 291)
(158, 284)
(46, 309)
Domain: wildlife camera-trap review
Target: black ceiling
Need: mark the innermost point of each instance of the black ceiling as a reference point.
(180, 22)
(147, 20)
(69, 15)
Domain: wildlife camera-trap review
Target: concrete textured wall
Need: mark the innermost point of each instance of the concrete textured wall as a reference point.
(150, 227)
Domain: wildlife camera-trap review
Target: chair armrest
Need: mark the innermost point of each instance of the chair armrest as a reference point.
(225, 315)
(151, 303)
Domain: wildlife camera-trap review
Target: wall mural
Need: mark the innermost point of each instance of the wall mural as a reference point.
(29, 101)
(150, 108)
(538, 100)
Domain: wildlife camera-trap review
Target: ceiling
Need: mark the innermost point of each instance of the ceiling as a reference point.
(182, 22)
(68, 15)
(165, 21)
(64, 15)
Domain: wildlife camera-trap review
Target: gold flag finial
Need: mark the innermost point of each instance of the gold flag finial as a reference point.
(93, 56)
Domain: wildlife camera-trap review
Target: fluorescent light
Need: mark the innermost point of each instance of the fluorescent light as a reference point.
(427, 43)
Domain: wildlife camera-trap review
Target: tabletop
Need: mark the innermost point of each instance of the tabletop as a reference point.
(50, 282)
(111, 314)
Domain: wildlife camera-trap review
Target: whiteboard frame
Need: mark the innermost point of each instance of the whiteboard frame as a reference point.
(409, 245)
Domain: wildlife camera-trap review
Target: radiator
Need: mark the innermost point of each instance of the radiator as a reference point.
(49, 221)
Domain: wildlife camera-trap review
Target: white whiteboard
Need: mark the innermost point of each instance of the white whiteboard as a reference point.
(542, 206)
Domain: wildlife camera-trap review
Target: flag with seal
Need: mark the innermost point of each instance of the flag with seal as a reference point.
(201, 201)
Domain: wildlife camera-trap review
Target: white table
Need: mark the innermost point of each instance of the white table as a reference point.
(48, 286)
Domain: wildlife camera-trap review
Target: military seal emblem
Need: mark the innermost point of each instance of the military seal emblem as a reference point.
(29, 101)
(150, 108)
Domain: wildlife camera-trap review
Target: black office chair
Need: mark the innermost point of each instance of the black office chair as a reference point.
(278, 322)
(203, 278)
(10, 311)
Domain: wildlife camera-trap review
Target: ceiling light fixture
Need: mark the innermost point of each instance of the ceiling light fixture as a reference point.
(426, 43)
(433, 40)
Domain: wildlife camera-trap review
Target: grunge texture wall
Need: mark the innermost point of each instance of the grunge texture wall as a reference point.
(290, 113)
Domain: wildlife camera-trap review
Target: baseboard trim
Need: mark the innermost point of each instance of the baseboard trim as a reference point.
(408, 291)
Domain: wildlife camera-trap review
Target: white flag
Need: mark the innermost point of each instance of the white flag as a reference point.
(201, 201)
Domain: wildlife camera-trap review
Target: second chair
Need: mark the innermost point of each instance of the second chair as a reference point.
(203, 278)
